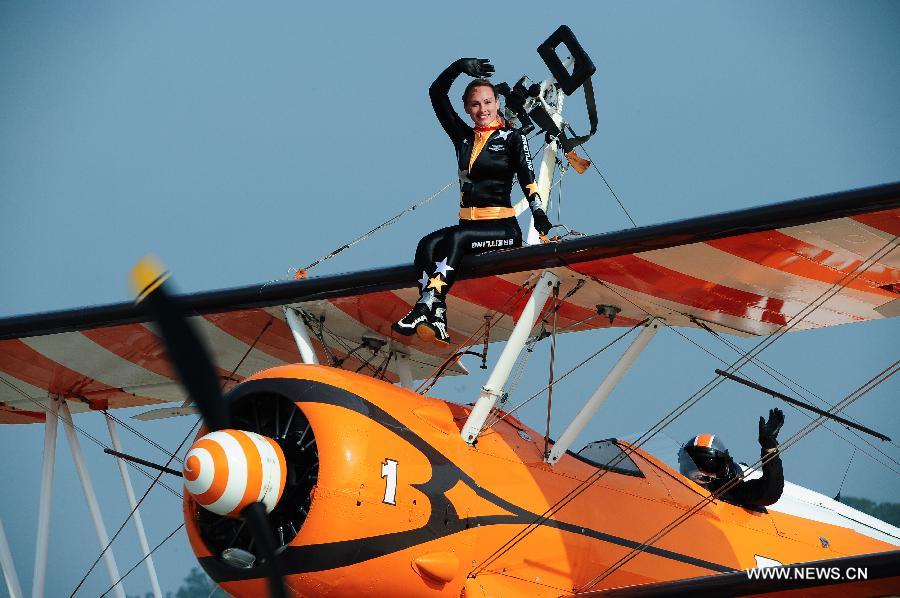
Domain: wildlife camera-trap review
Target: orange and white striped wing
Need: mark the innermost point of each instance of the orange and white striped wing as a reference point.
(126, 365)
(800, 265)
(816, 275)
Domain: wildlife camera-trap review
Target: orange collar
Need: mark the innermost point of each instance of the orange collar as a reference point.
(495, 124)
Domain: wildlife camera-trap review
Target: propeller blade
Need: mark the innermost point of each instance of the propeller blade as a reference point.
(195, 370)
(184, 347)
(255, 516)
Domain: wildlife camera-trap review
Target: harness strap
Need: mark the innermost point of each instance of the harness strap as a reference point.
(488, 213)
(568, 144)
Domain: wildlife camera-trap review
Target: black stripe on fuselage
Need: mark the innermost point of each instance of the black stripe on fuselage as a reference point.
(443, 520)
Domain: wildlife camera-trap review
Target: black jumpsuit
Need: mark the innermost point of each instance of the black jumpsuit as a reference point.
(762, 491)
(501, 153)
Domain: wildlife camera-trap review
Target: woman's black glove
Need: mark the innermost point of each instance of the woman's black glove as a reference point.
(541, 222)
(476, 67)
(768, 430)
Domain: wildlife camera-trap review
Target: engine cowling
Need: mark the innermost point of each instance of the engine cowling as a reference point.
(269, 455)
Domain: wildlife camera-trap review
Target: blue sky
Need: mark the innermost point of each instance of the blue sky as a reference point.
(237, 141)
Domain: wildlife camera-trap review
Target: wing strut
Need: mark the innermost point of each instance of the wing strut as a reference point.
(404, 370)
(603, 391)
(493, 388)
(93, 507)
(9, 569)
(301, 336)
(43, 531)
(136, 515)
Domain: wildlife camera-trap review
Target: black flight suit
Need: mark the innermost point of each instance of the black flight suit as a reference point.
(485, 182)
(762, 491)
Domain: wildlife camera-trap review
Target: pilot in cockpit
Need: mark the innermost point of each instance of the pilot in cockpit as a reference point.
(705, 460)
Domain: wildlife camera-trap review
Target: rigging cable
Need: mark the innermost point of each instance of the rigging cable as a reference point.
(301, 272)
(83, 432)
(525, 355)
(319, 333)
(131, 514)
(137, 564)
(771, 371)
(557, 302)
(293, 271)
(139, 434)
(762, 365)
(381, 372)
(837, 496)
(759, 363)
(689, 402)
(855, 395)
(169, 462)
(349, 351)
(789, 383)
(432, 379)
(475, 336)
(621, 205)
(533, 339)
(572, 370)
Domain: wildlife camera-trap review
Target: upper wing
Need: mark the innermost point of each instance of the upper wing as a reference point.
(124, 365)
(876, 574)
(802, 264)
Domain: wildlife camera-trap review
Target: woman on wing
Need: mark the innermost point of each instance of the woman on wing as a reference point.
(488, 157)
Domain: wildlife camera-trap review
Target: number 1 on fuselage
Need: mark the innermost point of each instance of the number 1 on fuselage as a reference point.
(389, 472)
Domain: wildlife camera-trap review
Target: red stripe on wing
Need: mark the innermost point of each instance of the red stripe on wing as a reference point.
(776, 250)
(277, 340)
(637, 274)
(379, 310)
(14, 415)
(138, 344)
(21, 361)
(495, 293)
(887, 221)
(246, 325)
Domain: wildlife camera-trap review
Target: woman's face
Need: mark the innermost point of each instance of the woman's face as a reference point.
(482, 105)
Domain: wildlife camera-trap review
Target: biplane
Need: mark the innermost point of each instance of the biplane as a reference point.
(322, 469)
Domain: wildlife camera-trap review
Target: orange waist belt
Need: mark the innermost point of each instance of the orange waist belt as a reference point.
(489, 213)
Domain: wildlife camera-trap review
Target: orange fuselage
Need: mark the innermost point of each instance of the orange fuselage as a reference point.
(403, 507)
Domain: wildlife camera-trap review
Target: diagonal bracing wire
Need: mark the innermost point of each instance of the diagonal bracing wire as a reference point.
(132, 512)
(144, 558)
(795, 386)
(570, 371)
(85, 434)
(774, 373)
(855, 395)
(169, 462)
(139, 434)
(371, 232)
(478, 334)
(674, 414)
(618, 201)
